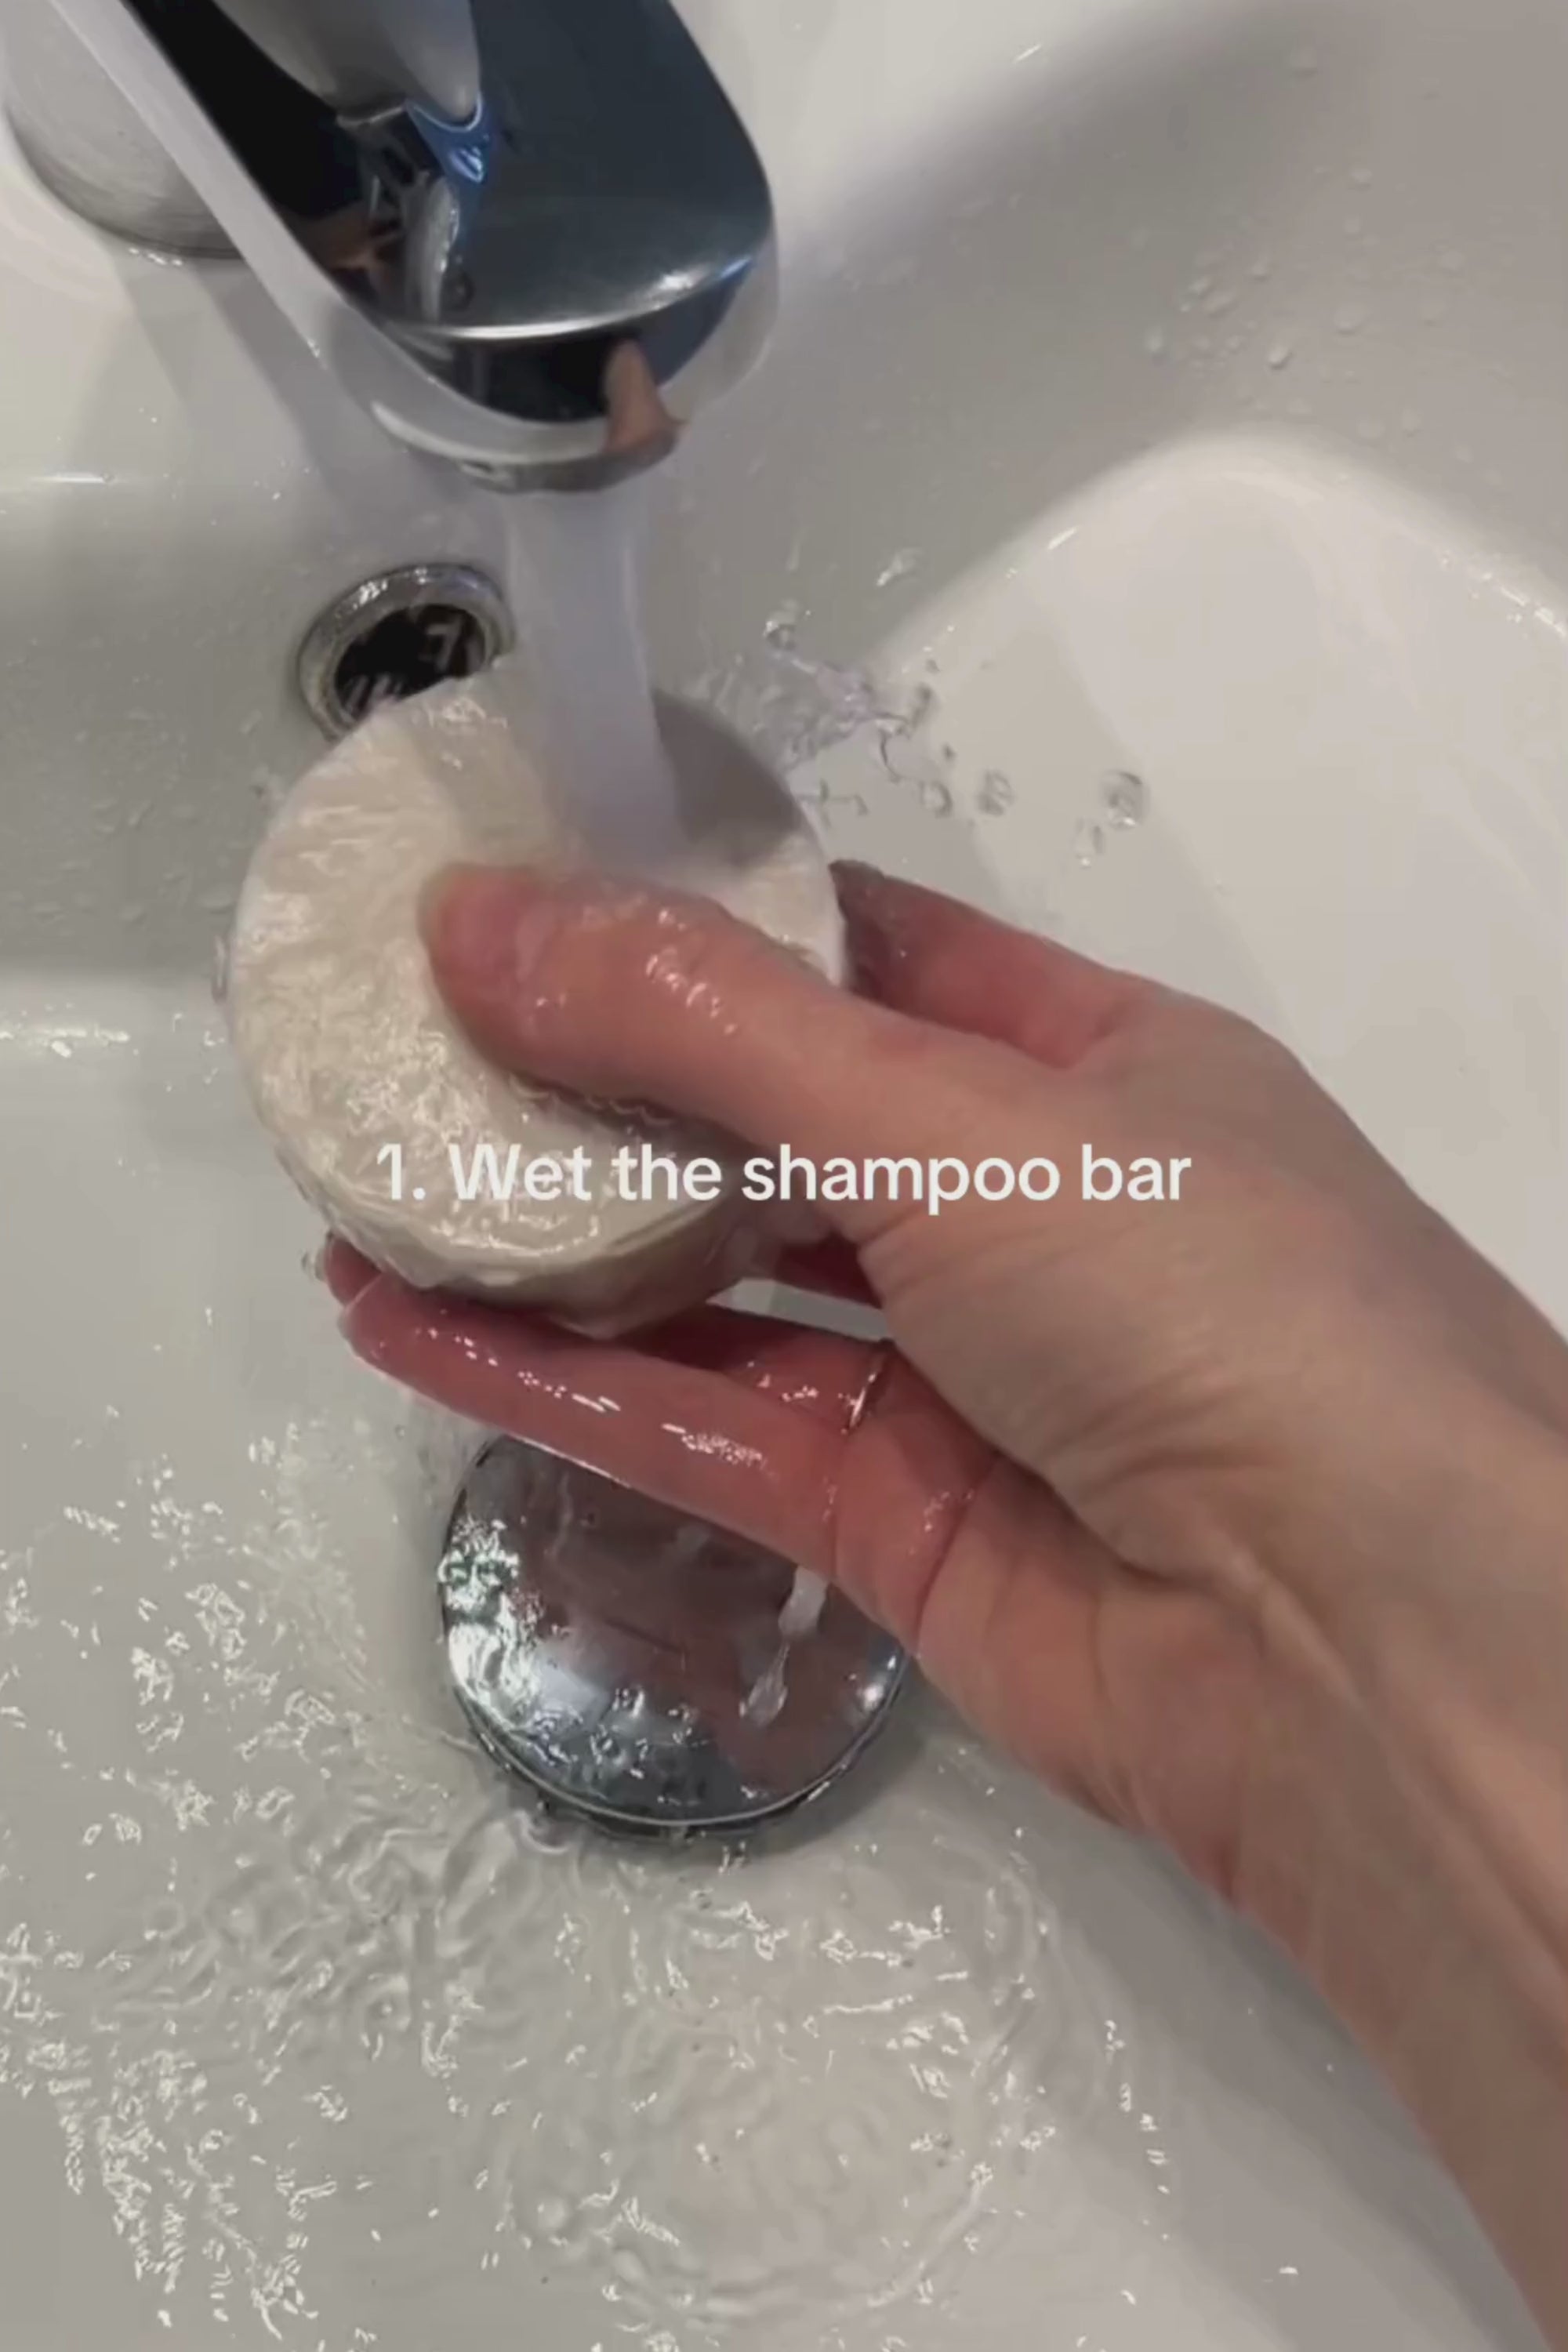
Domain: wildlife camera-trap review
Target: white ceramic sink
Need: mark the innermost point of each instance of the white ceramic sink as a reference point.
(1196, 376)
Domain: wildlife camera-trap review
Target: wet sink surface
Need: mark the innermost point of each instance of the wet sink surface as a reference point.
(310, 2030)
(1189, 415)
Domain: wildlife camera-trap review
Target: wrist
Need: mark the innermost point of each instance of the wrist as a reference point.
(1453, 1641)
(1422, 1592)
(1399, 1846)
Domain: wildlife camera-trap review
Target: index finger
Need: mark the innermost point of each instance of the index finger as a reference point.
(836, 1456)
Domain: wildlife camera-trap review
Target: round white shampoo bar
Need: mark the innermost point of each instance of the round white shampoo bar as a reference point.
(412, 1145)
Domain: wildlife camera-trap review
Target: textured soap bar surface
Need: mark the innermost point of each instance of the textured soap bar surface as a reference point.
(381, 1109)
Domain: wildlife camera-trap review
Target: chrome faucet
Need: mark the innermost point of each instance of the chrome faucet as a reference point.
(529, 236)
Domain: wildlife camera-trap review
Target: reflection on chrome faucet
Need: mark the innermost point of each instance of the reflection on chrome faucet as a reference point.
(470, 207)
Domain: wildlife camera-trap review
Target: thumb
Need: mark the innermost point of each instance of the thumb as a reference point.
(613, 989)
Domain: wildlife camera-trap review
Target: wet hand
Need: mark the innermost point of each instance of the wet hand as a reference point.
(1140, 1484)
(1238, 1519)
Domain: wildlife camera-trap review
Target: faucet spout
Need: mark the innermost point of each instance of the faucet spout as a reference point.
(473, 208)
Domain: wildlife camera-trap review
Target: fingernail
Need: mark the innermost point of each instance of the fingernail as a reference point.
(863, 896)
(351, 1330)
(346, 1274)
(487, 925)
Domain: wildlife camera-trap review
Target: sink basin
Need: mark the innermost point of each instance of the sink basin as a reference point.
(1153, 522)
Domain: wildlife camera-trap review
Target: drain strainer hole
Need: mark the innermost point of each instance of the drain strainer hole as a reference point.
(397, 636)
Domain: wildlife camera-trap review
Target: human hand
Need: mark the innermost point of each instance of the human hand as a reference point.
(1232, 1398)
(1232, 1518)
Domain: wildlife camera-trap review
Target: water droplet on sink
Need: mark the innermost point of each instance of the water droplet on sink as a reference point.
(1125, 799)
(1281, 354)
(1088, 843)
(1156, 342)
(1351, 318)
(995, 796)
(901, 567)
(922, 710)
(782, 628)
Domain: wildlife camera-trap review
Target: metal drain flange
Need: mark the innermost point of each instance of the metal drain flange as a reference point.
(396, 634)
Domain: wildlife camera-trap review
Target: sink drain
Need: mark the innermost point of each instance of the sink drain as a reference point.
(397, 634)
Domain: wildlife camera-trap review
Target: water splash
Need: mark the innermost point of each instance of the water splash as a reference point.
(798, 709)
(903, 566)
(1125, 801)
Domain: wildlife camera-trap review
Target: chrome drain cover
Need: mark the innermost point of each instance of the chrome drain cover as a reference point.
(397, 634)
(633, 1666)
